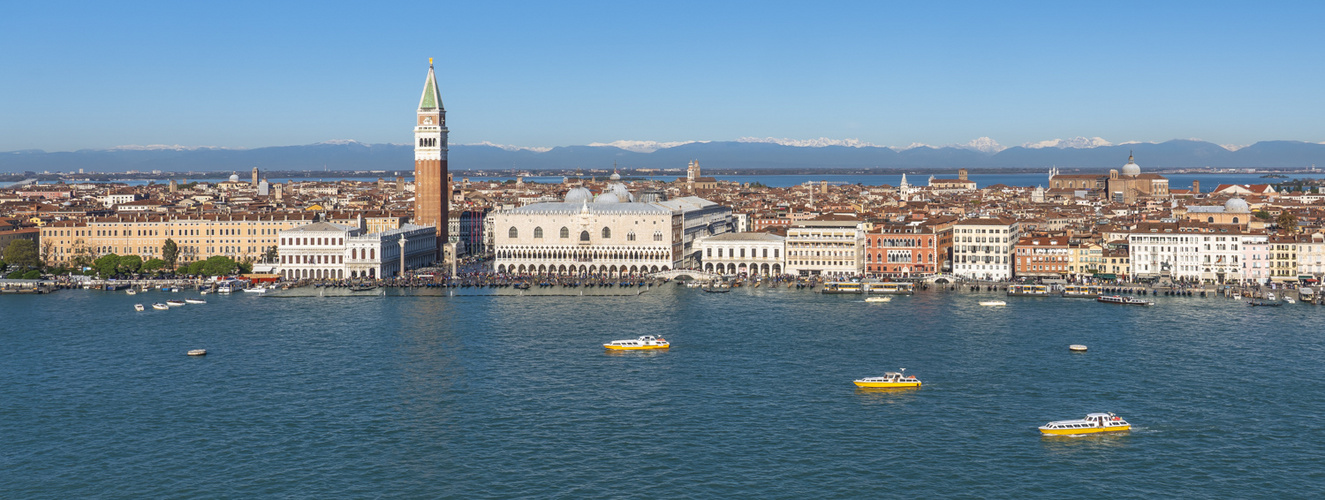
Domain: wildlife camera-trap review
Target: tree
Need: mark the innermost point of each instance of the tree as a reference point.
(107, 265)
(170, 252)
(1261, 214)
(22, 253)
(153, 265)
(1287, 221)
(130, 264)
(47, 248)
(82, 255)
(270, 255)
(219, 265)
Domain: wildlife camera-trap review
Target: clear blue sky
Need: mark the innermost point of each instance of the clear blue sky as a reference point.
(79, 75)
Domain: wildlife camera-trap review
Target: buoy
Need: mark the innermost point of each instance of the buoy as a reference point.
(198, 352)
(1077, 348)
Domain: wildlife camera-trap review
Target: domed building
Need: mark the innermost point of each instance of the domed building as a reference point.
(1127, 185)
(1234, 211)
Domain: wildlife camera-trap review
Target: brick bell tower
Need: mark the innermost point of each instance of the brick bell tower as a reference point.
(431, 193)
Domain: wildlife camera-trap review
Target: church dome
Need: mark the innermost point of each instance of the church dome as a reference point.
(621, 192)
(234, 177)
(1236, 205)
(615, 176)
(578, 194)
(1131, 168)
(607, 198)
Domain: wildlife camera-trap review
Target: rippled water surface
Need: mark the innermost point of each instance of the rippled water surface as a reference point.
(506, 396)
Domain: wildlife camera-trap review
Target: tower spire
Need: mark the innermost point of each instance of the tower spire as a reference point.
(432, 98)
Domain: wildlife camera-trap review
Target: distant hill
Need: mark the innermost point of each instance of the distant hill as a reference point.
(350, 155)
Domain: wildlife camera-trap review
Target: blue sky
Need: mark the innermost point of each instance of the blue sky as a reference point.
(238, 74)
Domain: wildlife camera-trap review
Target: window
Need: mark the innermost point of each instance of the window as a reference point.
(657, 236)
(630, 236)
(607, 233)
(565, 233)
(584, 236)
(538, 233)
(513, 233)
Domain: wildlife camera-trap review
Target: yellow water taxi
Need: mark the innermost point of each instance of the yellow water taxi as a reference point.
(645, 342)
(889, 380)
(1093, 423)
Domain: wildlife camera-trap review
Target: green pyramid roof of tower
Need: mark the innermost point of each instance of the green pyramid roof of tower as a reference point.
(432, 99)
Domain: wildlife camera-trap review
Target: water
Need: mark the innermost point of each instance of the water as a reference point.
(511, 396)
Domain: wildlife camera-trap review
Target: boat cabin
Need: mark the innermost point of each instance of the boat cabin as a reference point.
(891, 288)
(1028, 291)
(841, 287)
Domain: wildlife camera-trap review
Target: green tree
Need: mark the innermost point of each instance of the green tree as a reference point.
(130, 264)
(270, 255)
(170, 252)
(82, 255)
(22, 253)
(153, 265)
(219, 265)
(1287, 221)
(1261, 214)
(107, 265)
(193, 268)
(32, 274)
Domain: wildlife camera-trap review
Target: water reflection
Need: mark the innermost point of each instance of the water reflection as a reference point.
(1084, 442)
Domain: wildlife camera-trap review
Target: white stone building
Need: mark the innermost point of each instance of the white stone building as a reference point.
(982, 248)
(742, 253)
(700, 218)
(323, 250)
(830, 245)
(609, 236)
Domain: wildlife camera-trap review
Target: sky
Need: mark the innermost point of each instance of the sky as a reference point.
(93, 75)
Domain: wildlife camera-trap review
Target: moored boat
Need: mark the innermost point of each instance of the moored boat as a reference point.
(195, 301)
(839, 287)
(889, 380)
(993, 303)
(1093, 423)
(878, 299)
(644, 342)
(890, 288)
(1123, 300)
(1028, 291)
(160, 307)
(132, 292)
(138, 307)
(175, 303)
(1265, 303)
(1081, 291)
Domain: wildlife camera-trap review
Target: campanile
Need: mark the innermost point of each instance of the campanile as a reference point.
(431, 192)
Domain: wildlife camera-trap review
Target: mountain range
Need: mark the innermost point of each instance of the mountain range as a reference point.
(743, 154)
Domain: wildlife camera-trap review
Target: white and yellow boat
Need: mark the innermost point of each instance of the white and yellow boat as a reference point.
(645, 342)
(1093, 423)
(889, 380)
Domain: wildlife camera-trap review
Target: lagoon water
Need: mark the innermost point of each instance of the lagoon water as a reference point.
(512, 396)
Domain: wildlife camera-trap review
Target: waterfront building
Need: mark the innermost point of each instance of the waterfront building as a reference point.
(1085, 257)
(742, 253)
(581, 235)
(1127, 185)
(323, 250)
(240, 237)
(1192, 251)
(1283, 258)
(829, 245)
(432, 188)
(1311, 256)
(1042, 257)
(1116, 262)
(1256, 261)
(982, 247)
(700, 218)
(902, 250)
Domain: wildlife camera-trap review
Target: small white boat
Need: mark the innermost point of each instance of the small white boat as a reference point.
(645, 342)
(139, 307)
(1077, 348)
(878, 299)
(198, 352)
(194, 301)
(160, 307)
(1093, 423)
(993, 303)
(175, 303)
(205, 292)
(255, 290)
(132, 292)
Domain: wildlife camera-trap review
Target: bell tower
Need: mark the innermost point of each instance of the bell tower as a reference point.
(431, 192)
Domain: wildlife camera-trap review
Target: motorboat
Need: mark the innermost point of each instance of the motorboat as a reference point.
(1077, 348)
(160, 307)
(841, 287)
(198, 352)
(889, 380)
(1124, 300)
(1028, 291)
(878, 299)
(644, 342)
(1093, 423)
(139, 307)
(257, 289)
(132, 292)
(993, 303)
(890, 288)
(175, 303)
(1265, 303)
(194, 301)
(1081, 291)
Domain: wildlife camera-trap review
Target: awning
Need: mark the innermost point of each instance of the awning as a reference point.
(1109, 277)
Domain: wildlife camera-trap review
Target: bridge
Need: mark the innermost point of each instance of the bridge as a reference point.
(693, 274)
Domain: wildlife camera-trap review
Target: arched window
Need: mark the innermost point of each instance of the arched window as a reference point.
(1209, 219)
(1235, 220)
(538, 232)
(584, 236)
(630, 236)
(513, 233)
(657, 236)
(607, 233)
(565, 233)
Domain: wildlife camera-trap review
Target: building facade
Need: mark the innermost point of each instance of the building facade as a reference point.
(326, 251)
(583, 237)
(1042, 257)
(828, 245)
(742, 253)
(902, 250)
(982, 248)
(240, 237)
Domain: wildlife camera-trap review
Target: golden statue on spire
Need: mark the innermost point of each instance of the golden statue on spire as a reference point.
(429, 61)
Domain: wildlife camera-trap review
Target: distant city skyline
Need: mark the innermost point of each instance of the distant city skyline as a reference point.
(538, 76)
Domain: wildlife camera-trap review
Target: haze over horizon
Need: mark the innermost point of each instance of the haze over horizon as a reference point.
(980, 76)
